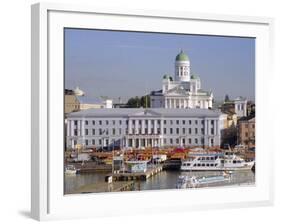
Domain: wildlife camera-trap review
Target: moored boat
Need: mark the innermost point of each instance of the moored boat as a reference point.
(70, 170)
(215, 161)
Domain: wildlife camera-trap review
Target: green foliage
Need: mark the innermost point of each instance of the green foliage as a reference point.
(137, 102)
(229, 136)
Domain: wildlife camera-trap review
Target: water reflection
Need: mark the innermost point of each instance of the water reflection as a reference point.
(163, 180)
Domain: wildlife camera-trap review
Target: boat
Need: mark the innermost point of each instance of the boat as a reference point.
(215, 161)
(70, 170)
(182, 182)
(206, 181)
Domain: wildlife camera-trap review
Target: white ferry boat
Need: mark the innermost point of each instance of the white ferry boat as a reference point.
(182, 182)
(215, 161)
(207, 181)
(185, 181)
(70, 170)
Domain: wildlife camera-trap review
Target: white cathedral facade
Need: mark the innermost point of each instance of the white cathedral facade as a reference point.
(182, 91)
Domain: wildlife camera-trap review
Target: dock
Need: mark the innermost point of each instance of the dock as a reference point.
(143, 176)
(105, 187)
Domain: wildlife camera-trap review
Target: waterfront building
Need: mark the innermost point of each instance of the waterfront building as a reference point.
(94, 103)
(139, 127)
(238, 106)
(182, 91)
(246, 131)
(71, 102)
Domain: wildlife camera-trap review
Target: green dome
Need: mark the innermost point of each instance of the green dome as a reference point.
(165, 76)
(194, 77)
(182, 57)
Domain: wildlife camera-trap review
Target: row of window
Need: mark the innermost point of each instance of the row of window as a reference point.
(134, 122)
(247, 126)
(170, 141)
(115, 131)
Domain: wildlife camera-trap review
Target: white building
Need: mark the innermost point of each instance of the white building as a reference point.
(138, 127)
(240, 106)
(184, 91)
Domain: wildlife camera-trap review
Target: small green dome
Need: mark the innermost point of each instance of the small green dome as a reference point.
(165, 76)
(194, 77)
(182, 57)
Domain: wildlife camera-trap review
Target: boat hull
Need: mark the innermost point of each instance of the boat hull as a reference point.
(246, 166)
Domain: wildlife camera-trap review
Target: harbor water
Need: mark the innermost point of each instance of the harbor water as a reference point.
(164, 180)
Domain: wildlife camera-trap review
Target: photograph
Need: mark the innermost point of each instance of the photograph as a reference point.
(157, 111)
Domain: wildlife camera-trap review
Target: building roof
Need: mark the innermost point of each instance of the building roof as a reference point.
(182, 57)
(149, 112)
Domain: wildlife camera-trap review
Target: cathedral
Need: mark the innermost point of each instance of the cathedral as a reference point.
(182, 91)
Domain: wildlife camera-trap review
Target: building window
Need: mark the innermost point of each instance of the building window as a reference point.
(196, 131)
(86, 122)
(127, 122)
(196, 141)
(183, 122)
(246, 134)
(171, 141)
(93, 131)
(212, 141)
(189, 131)
(165, 141)
(106, 132)
(93, 122)
(75, 122)
(113, 131)
(86, 142)
(189, 140)
(202, 122)
(165, 131)
(212, 131)
(183, 131)
(100, 131)
(120, 131)
(202, 141)
(113, 122)
(75, 132)
(212, 122)
(100, 122)
(178, 121)
(183, 141)
(189, 122)
(146, 131)
(120, 122)
(159, 121)
(106, 122)
(171, 130)
(177, 141)
(158, 131)
(93, 142)
(86, 131)
(171, 122)
(196, 121)
(202, 131)
(165, 122)
(100, 142)
(177, 131)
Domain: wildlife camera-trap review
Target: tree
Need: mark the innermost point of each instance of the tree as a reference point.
(229, 136)
(136, 102)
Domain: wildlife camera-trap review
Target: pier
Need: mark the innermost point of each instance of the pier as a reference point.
(105, 187)
(135, 175)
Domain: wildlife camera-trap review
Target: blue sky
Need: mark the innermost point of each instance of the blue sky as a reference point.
(125, 64)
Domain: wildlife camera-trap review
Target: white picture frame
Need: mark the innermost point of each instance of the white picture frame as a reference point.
(48, 201)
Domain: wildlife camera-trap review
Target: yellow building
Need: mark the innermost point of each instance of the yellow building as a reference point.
(71, 103)
(246, 132)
